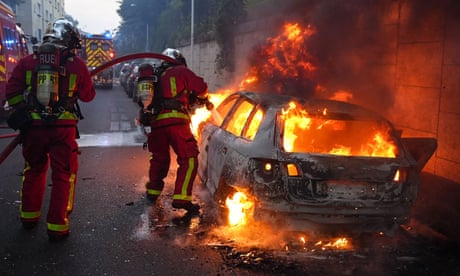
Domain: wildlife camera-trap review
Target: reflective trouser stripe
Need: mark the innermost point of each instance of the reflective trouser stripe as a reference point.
(24, 214)
(153, 192)
(185, 185)
(59, 227)
(183, 197)
(71, 192)
(30, 215)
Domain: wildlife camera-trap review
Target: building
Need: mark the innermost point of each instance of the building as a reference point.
(34, 15)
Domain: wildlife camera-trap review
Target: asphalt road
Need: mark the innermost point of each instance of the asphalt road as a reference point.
(114, 231)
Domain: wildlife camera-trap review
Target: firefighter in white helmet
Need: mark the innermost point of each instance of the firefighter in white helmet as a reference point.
(47, 115)
(177, 88)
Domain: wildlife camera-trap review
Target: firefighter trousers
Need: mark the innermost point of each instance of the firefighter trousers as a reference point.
(44, 146)
(180, 138)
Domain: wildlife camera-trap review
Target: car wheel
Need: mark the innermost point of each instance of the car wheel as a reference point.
(220, 196)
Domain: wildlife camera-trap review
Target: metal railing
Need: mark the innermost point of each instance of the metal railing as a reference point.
(10, 147)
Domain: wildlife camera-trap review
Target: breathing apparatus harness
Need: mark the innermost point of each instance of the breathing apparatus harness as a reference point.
(151, 100)
(50, 100)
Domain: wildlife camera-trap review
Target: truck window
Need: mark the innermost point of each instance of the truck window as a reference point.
(105, 46)
(93, 46)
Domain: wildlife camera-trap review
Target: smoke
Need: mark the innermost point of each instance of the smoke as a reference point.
(354, 48)
(350, 51)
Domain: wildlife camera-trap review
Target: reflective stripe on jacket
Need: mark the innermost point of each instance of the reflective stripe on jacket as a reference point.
(177, 82)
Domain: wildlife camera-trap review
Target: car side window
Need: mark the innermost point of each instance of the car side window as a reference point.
(222, 110)
(253, 124)
(239, 117)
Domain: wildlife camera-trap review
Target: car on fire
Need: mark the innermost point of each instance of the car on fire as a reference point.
(315, 164)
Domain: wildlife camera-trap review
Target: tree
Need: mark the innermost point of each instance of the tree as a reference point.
(169, 25)
(230, 13)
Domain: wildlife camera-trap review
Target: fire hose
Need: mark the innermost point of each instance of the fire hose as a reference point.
(17, 139)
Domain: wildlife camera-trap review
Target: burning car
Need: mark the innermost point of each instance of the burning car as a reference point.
(313, 164)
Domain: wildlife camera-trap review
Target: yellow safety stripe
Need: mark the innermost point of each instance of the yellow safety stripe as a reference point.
(66, 116)
(72, 84)
(71, 192)
(29, 79)
(173, 114)
(23, 214)
(191, 167)
(153, 192)
(30, 215)
(172, 83)
(16, 99)
(59, 227)
(35, 116)
(183, 197)
(20, 98)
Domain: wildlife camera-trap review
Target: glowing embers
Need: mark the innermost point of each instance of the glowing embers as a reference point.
(338, 134)
(240, 209)
(319, 244)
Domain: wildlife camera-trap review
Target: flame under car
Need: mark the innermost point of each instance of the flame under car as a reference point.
(312, 164)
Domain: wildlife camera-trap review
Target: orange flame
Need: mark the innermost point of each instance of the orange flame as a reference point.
(202, 114)
(240, 209)
(304, 133)
(284, 56)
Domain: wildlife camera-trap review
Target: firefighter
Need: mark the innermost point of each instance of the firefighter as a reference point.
(178, 88)
(43, 90)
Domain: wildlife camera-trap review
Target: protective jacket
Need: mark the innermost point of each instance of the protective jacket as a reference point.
(178, 84)
(75, 84)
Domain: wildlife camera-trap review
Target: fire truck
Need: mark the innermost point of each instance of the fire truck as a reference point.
(97, 49)
(13, 47)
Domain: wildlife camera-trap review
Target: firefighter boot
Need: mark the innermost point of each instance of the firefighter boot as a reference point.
(28, 225)
(151, 198)
(56, 236)
(192, 209)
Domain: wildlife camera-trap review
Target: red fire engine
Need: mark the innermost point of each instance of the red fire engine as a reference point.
(13, 47)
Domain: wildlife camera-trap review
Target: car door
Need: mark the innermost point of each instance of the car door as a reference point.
(210, 141)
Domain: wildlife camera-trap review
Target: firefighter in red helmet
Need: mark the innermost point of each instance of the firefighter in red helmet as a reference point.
(177, 88)
(43, 90)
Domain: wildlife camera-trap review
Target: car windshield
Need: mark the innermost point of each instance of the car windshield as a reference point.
(338, 134)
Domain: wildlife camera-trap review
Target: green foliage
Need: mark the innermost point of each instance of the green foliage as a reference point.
(169, 25)
(229, 14)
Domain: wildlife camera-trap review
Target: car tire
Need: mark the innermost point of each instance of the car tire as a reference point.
(220, 196)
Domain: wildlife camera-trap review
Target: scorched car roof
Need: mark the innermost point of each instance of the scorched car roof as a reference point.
(313, 105)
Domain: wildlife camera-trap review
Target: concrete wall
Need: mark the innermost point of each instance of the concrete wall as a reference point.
(419, 64)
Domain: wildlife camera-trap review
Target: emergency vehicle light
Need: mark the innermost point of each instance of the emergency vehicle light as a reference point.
(107, 34)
